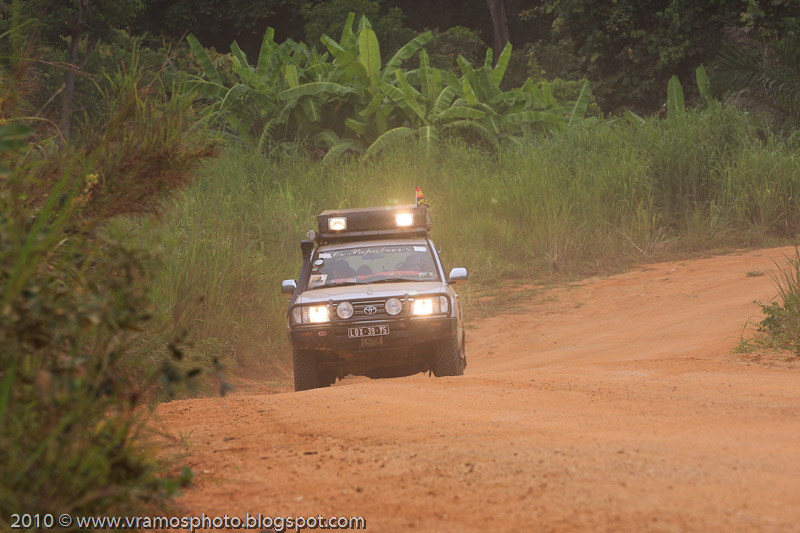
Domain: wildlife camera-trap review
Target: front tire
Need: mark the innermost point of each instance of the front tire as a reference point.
(447, 360)
(307, 374)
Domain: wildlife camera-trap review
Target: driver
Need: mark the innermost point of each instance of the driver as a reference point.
(417, 263)
(341, 269)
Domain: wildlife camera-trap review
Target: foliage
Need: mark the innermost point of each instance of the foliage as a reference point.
(328, 17)
(555, 60)
(57, 18)
(350, 100)
(216, 22)
(566, 92)
(764, 76)
(445, 47)
(781, 323)
(629, 49)
(75, 367)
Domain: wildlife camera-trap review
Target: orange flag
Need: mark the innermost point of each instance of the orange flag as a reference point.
(420, 197)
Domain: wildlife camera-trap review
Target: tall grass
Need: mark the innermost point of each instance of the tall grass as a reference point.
(590, 200)
(781, 325)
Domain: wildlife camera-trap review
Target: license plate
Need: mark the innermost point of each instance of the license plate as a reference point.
(367, 331)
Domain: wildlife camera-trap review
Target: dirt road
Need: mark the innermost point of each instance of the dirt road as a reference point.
(616, 404)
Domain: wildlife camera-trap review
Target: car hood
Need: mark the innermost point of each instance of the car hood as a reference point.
(378, 290)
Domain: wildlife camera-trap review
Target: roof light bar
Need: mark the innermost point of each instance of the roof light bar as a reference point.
(404, 220)
(337, 223)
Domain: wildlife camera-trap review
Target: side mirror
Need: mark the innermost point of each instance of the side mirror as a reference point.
(457, 274)
(288, 286)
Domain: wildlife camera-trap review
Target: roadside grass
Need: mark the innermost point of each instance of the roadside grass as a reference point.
(594, 199)
(77, 373)
(780, 327)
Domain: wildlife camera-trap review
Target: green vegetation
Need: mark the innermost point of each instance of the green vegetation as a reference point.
(353, 101)
(629, 49)
(79, 360)
(593, 199)
(764, 76)
(781, 325)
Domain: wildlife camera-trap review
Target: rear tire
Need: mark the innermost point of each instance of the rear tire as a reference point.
(447, 360)
(307, 374)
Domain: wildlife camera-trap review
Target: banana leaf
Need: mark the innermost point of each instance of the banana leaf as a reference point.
(315, 88)
(499, 70)
(266, 52)
(703, 83)
(205, 62)
(405, 52)
(238, 55)
(633, 117)
(376, 100)
(311, 109)
(581, 104)
(469, 93)
(291, 77)
(461, 112)
(336, 152)
(444, 99)
(474, 126)
(424, 74)
(370, 56)
(410, 95)
(675, 103)
(397, 96)
(533, 117)
(390, 137)
(347, 32)
(356, 126)
(346, 60)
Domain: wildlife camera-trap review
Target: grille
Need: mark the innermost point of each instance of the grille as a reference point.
(359, 309)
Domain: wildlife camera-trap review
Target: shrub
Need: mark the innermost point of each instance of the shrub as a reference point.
(781, 323)
(446, 46)
(75, 365)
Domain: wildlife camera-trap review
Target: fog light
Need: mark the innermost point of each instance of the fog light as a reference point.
(344, 310)
(393, 306)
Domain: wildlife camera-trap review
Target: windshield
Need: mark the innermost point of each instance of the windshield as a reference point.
(373, 264)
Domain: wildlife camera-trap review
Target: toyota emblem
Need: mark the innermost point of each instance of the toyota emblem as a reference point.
(370, 310)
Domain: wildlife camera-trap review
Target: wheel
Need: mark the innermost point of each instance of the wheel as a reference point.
(447, 360)
(307, 374)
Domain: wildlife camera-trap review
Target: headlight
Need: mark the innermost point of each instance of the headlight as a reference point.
(318, 313)
(310, 314)
(430, 306)
(393, 306)
(344, 310)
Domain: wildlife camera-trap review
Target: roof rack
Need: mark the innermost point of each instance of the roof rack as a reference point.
(341, 225)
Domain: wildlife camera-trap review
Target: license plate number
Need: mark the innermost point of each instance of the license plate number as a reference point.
(367, 331)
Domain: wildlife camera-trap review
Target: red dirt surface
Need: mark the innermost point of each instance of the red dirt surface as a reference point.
(617, 404)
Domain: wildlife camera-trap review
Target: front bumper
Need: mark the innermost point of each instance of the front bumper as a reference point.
(405, 336)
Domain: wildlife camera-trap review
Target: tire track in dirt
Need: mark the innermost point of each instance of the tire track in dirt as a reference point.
(613, 404)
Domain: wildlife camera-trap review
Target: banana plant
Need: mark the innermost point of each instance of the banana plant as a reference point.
(347, 100)
(357, 57)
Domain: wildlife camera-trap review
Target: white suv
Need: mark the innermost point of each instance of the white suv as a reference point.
(372, 299)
